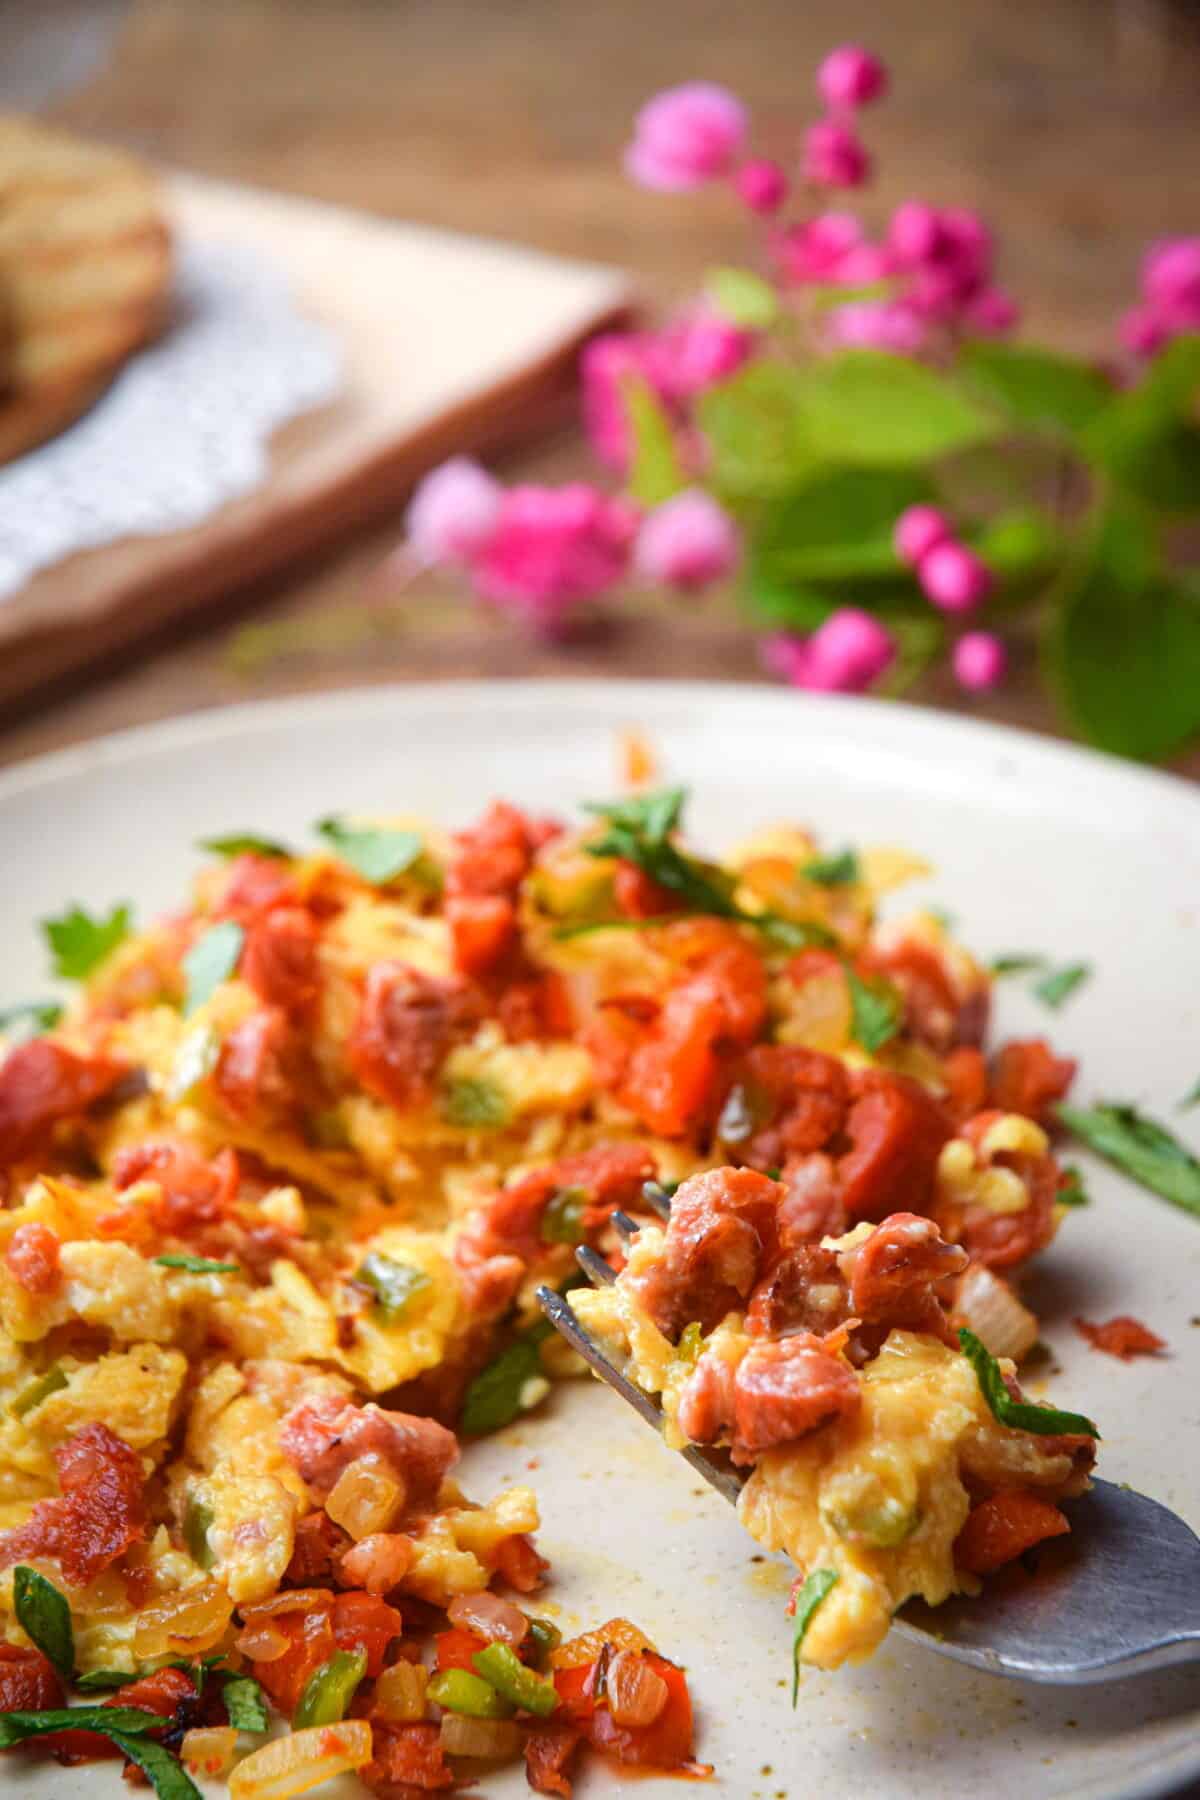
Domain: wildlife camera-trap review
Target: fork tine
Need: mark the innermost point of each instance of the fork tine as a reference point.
(626, 1227)
(558, 1310)
(594, 1267)
(656, 1200)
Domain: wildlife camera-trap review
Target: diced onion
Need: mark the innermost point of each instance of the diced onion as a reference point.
(636, 1693)
(192, 1620)
(378, 1562)
(578, 1651)
(301, 1760)
(368, 1496)
(987, 1306)
(290, 1600)
(493, 1740)
(209, 1750)
(489, 1617)
(262, 1641)
(400, 1693)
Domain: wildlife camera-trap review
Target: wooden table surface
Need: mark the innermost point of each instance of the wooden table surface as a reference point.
(1071, 125)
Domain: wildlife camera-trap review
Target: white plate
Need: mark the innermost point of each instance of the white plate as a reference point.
(1038, 846)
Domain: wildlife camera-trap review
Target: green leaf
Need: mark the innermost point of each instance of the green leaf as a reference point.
(815, 1590)
(877, 1010)
(791, 934)
(1017, 962)
(832, 871)
(638, 831)
(29, 1019)
(45, 1617)
(1123, 647)
(374, 852)
(1145, 439)
(197, 1265)
(167, 1777)
(79, 944)
(1071, 1191)
(245, 843)
(1019, 547)
(653, 816)
(245, 1703)
(494, 1397)
(756, 431)
(1038, 389)
(839, 526)
(1018, 1415)
(867, 407)
(1140, 1147)
(211, 960)
(1058, 985)
(103, 1681)
(1191, 1098)
(16, 1727)
(743, 298)
(656, 470)
(394, 1284)
(474, 1104)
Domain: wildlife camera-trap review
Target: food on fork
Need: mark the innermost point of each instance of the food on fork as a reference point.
(85, 267)
(280, 1188)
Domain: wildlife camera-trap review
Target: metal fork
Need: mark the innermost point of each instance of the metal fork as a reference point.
(1119, 1596)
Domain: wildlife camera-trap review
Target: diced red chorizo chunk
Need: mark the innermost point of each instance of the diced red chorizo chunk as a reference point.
(893, 1274)
(792, 1101)
(1003, 1240)
(254, 885)
(722, 1227)
(938, 1010)
(784, 1389)
(42, 1083)
(549, 1750)
(606, 1177)
(321, 1437)
(483, 928)
(195, 1191)
(408, 1760)
(99, 1514)
(32, 1257)
(259, 1073)
(896, 1131)
(406, 1024)
(280, 959)
(1123, 1336)
(706, 1400)
(803, 1290)
(28, 1682)
(1026, 1077)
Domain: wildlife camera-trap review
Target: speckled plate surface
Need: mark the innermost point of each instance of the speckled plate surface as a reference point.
(1037, 846)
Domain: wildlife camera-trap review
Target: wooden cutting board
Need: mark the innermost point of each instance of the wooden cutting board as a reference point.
(449, 344)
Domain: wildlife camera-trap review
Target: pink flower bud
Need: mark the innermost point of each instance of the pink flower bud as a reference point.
(818, 250)
(833, 156)
(701, 348)
(844, 655)
(687, 542)
(1143, 331)
(953, 577)
(761, 184)
(452, 512)
(877, 325)
(980, 661)
(992, 312)
(919, 529)
(552, 548)
(686, 136)
(850, 76)
(1171, 280)
(914, 232)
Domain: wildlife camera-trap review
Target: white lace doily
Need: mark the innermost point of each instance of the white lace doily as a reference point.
(184, 427)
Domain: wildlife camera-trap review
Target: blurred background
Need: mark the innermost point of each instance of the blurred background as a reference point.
(1071, 126)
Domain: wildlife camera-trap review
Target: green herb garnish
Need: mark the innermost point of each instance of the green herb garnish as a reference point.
(78, 943)
(791, 934)
(832, 871)
(1140, 1147)
(330, 1689)
(168, 1779)
(639, 832)
(562, 1220)
(393, 1284)
(814, 1591)
(1056, 987)
(1018, 1415)
(196, 1265)
(373, 852)
(45, 1617)
(130, 1721)
(1071, 1191)
(29, 1019)
(475, 1105)
(52, 1382)
(1017, 962)
(877, 1011)
(245, 843)
(245, 1706)
(103, 1681)
(211, 960)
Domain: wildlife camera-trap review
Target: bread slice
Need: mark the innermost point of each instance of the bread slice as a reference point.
(85, 269)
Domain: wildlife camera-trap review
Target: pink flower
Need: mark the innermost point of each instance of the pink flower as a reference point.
(913, 232)
(554, 547)
(607, 365)
(686, 136)
(947, 255)
(452, 512)
(844, 655)
(833, 156)
(687, 542)
(761, 184)
(1171, 280)
(877, 325)
(850, 76)
(953, 577)
(817, 250)
(980, 661)
(700, 348)
(919, 529)
(1143, 331)
(992, 312)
